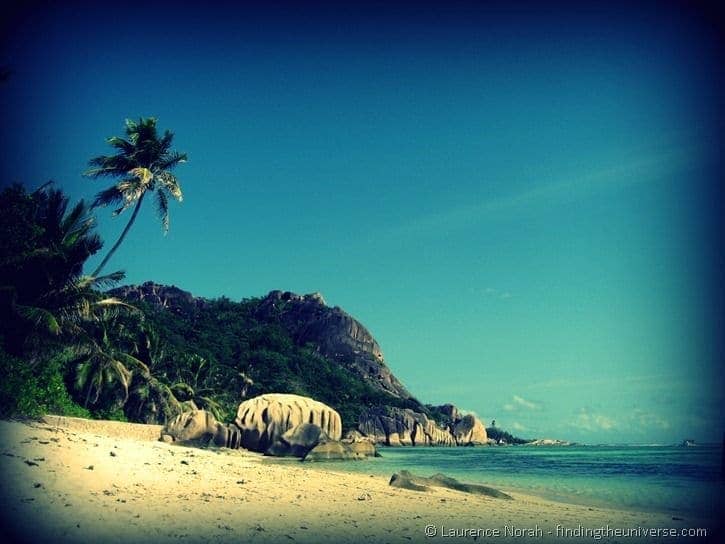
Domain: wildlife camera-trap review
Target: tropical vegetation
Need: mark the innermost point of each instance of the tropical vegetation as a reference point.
(77, 349)
(69, 346)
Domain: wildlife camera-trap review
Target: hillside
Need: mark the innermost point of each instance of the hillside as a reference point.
(284, 343)
(280, 343)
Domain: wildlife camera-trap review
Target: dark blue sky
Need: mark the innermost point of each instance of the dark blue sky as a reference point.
(519, 203)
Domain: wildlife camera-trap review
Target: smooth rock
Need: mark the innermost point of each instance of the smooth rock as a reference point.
(200, 428)
(340, 451)
(470, 431)
(296, 442)
(264, 419)
(407, 480)
(194, 425)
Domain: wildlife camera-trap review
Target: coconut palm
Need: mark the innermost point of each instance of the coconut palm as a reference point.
(105, 363)
(44, 246)
(143, 163)
(176, 382)
(152, 401)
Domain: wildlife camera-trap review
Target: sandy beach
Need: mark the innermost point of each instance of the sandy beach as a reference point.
(69, 480)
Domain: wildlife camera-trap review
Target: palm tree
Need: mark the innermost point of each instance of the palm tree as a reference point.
(143, 163)
(43, 248)
(175, 382)
(151, 399)
(104, 363)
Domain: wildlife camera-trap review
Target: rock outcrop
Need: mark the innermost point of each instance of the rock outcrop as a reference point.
(200, 428)
(335, 334)
(297, 441)
(407, 480)
(340, 451)
(550, 442)
(405, 427)
(402, 427)
(264, 419)
(469, 431)
(168, 297)
(450, 411)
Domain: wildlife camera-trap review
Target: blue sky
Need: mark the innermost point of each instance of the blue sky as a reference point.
(519, 204)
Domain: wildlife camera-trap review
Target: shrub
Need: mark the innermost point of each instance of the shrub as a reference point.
(26, 392)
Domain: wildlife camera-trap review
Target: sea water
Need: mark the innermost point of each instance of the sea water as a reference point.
(674, 479)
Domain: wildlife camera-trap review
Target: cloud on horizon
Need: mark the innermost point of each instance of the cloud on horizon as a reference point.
(519, 403)
(586, 421)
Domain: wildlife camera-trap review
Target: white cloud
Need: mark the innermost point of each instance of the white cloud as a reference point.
(465, 412)
(525, 403)
(516, 426)
(593, 422)
(519, 403)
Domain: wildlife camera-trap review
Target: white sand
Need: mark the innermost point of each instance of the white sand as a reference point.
(140, 490)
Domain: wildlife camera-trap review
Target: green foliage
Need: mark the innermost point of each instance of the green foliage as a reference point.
(499, 434)
(435, 413)
(49, 312)
(114, 414)
(43, 297)
(32, 393)
(65, 343)
(222, 350)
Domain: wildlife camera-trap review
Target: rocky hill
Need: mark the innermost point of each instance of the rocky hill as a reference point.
(168, 297)
(335, 335)
(292, 343)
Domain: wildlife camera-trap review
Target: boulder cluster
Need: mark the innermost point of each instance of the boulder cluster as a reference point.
(392, 426)
(285, 425)
(282, 425)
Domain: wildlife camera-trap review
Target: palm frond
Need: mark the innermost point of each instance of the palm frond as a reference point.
(165, 142)
(211, 405)
(162, 207)
(120, 143)
(108, 280)
(143, 174)
(183, 388)
(171, 184)
(40, 317)
(112, 195)
(170, 160)
(121, 374)
(109, 165)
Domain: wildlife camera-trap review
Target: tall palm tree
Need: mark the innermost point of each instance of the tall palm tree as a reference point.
(143, 163)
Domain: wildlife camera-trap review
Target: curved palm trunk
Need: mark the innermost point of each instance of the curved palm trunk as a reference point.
(120, 239)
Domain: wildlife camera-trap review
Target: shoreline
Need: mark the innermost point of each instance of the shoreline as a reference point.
(73, 480)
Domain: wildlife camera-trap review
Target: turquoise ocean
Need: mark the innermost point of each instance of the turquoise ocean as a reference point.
(674, 479)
